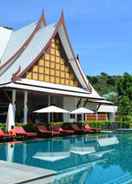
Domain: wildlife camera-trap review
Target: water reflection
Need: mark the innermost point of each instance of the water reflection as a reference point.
(77, 159)
(9, 152)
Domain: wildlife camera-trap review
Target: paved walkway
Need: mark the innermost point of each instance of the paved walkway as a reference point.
(12, 173)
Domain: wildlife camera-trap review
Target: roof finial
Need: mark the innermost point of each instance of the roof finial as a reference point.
(42, 18)
(62, 16)
(61, 19)
(42, 12)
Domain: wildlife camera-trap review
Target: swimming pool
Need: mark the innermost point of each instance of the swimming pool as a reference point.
(77, 159)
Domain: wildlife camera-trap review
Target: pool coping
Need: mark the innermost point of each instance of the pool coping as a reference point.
(14, 173)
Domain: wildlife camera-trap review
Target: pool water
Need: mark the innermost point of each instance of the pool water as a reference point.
(77, 159)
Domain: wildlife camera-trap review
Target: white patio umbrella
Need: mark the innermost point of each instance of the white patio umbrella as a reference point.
(82, 110)
(52, 109)
(10, 121)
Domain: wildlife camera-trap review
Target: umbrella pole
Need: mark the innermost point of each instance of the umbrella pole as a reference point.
(81, 118)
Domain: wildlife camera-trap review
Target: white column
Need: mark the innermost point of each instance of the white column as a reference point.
(14, 101)
(25, 107)
(49, 105)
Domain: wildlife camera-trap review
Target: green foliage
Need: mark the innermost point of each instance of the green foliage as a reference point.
(124, 89)
(109, 124)
(29, 127)
(56, 123)
(104, 83)
(124, 124)
(3, 126)
(100, 124)
(117, 89)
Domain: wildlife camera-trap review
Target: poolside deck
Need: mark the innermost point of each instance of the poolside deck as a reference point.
(19, 174)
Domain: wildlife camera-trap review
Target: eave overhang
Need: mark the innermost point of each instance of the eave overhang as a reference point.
(51, 89)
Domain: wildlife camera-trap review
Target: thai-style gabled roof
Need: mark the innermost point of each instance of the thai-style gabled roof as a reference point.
(29, 54)
(17, 38)
(27, 44)
(5, 34)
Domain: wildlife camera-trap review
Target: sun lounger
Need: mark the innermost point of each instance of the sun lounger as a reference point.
(21, 132)
(45, 131)
(66, 131)
(81, 129)
(87, 127)
(77, 129)
(63, 131)
(4, 135)
(87, 130)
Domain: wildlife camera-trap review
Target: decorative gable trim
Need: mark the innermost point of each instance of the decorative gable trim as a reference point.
(60, 23)
(74, 57)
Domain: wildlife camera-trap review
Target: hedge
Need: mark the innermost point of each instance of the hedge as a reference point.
(109, 124)
(94, 124)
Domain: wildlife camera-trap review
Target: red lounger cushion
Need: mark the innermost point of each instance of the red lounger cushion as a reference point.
(21, 131)
(1, 133)
(90, 128)
(66, 130)
(43, 129)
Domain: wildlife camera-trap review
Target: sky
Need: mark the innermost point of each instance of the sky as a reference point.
(100, 30)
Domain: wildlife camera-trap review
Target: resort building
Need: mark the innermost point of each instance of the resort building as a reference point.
(38, 67)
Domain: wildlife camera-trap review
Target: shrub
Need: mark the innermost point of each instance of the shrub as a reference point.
(99, 124)
(3, 126)
(29, 127)
(109, 125)
(56, 123)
